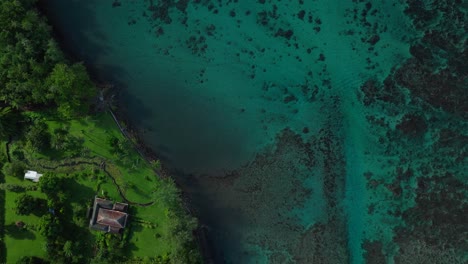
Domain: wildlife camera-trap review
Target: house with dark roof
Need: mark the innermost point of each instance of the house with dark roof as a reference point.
(108, 216)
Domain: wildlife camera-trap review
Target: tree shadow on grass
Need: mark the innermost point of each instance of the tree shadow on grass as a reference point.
(78, 192)
(40, 207)
(141, 193)
(19, 233)
(132, 228)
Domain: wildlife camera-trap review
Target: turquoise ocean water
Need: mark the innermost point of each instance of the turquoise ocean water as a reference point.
(257, 107)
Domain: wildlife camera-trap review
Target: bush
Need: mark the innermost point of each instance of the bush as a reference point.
(12, 187)
(31, 260)
(18, 155)
(38, 137)
(72, 89)
(62, 140)
(15, 169)
(181, 225)
(51, 184)
(50, 226)
(121, 148)
(25, 204)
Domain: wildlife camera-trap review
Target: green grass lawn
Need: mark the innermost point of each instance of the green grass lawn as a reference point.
(158, 236)
(148, 226)
(3, 159)
(26, 242)
(134, 176)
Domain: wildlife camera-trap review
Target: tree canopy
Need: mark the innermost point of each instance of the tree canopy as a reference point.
(24, 53)
(50, 184)
(38, 137)
(15, 169)
(24, 204)
(33, 69)
(7, 122)
(71, 88)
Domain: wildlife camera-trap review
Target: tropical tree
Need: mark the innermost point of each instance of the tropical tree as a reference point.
(60, 139)
(68, 249)
(71, 88)
(14, 168)
(166, 192)
(25, 204)
(50, 226)
(38, 137)
(23, 44)
(51, 184)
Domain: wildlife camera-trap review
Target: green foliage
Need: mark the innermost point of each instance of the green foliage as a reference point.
(122, 148)
(181, 226)
(156, 164)
(181, 229)
(68, 249)
(31, 260)
(51, 185)
(15, 169)
(50, 227)
(7, 122)
(166, 192)
(25, 204)
(71, 88)
(12, 187)
(60, 138)
(63, 141)
(18, 155)
(38, 137)
(32, 66)
(23, 46)
(110, 248)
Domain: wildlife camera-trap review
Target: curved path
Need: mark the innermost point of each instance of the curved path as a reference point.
(102, 166)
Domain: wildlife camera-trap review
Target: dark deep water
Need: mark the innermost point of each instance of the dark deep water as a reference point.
(303, 131)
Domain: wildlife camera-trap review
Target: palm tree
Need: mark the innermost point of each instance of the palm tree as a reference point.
(68, 249)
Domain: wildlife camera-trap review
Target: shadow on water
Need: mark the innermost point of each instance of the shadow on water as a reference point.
(188, 131)
(72, 28)
(138, 107)
(191, 132)
(80, 37)
(221, 226)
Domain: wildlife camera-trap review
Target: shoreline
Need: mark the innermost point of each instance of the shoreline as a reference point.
(130, 132)
(150, 155)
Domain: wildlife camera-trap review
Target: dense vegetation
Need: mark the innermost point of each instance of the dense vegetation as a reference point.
(45, 102)
(32, 68)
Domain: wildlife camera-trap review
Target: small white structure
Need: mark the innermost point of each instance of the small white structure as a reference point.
(32, 175)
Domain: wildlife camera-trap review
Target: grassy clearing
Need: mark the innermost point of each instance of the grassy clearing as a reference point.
(153, 229)
(21, 242)
(133, 174)
(86, 170)
(149, 226)
(148, 232)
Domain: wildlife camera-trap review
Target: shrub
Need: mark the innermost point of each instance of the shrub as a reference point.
(25, 204)
(51, 184)
(18, 155)
(12, 187)
(31, 260)
(15, 169)
(59, 139)
(50, 226)
(38, 137)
